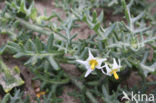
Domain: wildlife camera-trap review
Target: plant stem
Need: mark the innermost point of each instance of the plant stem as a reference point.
(38, 29)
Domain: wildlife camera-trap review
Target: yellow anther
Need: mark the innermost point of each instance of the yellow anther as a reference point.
(115, 75)
(93, 66)
(93, 63)
(40, 94)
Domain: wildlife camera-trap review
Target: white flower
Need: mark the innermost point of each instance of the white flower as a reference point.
(91, 63)
(112, 71)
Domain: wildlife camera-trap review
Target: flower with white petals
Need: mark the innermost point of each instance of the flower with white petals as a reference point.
(112, 71)
(91, 63)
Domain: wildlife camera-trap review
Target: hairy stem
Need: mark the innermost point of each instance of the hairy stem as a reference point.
(38, 29)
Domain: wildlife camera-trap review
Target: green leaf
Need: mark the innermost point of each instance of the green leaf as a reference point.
(22, 6)
(53, 63)
(38, 44)
(18, 55)
(33, 13)
(127, 12)
(9, 78)
(100, 18)
(84, 18)
(33, 46)
(96, 27)
(148, 69)
(40, 19)
(74, 36)
(109, 30)
(94, 16)
(14, 46)
(2, 49)
(107, 98)
(50, 43)
(5, 98)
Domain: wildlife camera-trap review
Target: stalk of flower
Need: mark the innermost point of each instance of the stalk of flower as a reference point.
(112, 71)
(91, 63)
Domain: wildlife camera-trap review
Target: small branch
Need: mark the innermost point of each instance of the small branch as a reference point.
(36, 28)
(141, 30)
(10, 33)
(138, 17)
(130, 4)
(119, 45)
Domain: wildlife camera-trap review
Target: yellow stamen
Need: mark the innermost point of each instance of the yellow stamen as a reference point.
(92, 66)
(116, 75)
(40, 94)
(93, 63)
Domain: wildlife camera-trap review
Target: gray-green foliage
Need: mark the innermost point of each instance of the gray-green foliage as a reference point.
(124, 40)
(17, 97)
(36, 50)
(9, 77)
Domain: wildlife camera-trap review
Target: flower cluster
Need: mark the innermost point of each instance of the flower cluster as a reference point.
(93, 63)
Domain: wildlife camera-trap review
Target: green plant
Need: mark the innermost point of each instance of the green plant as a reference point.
(125, 40)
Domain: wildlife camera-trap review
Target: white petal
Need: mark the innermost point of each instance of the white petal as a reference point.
(108, 69)
(119, 64)
(81, 62)
(102, 69)
(88, 72)
(85, 63)
(100, 62)
(87, 66)
(90, 55)
(114, 63)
